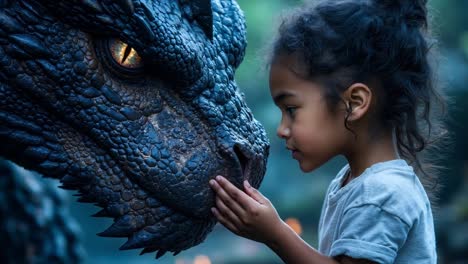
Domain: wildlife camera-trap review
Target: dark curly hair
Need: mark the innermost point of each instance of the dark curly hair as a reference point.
(383, 43)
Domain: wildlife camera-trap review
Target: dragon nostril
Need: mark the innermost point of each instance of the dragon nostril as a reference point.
(243, 160)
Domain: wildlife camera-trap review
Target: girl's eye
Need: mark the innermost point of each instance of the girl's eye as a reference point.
(290, 110)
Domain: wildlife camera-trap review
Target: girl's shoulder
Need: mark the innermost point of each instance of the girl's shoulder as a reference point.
(393, 177)
(394, 187)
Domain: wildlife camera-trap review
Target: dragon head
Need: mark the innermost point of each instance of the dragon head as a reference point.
(133, 104)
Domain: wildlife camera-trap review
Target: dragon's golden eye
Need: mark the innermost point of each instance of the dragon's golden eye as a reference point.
(124, 55)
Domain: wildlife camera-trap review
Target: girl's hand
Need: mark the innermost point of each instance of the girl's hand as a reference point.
(248, 214)
(251, 215)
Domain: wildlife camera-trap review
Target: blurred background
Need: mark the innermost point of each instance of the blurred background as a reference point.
(297, 196)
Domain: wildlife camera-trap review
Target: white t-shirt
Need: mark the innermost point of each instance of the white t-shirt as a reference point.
(383, 215)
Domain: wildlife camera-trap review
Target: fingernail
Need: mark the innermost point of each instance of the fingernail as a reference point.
(218, 178)
(212, 182)
(247, 183)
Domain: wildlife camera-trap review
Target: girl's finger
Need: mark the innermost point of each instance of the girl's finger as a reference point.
(224, 221)
(254, 193)
(227, 199)
(226, 212)
(244, 200)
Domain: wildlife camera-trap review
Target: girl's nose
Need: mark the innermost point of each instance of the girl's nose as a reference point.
(283, 131)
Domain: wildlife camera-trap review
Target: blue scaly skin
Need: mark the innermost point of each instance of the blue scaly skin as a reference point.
(133, 104)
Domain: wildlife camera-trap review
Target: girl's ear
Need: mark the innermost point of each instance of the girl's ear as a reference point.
(358, 99)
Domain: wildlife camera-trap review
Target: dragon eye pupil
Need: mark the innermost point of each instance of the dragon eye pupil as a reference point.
(124, 55)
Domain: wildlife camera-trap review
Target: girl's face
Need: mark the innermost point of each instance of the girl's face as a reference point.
(312, 132)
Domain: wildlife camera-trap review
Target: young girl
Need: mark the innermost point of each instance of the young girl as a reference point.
(352, 78)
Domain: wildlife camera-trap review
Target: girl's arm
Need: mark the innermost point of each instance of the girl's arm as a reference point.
(251, 215)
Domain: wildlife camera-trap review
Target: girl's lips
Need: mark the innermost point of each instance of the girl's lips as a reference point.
(295, 153)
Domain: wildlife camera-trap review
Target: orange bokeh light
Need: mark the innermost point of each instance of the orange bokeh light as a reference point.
(201, 259)
(295, 225)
